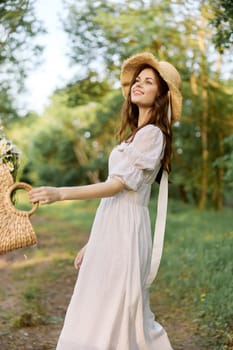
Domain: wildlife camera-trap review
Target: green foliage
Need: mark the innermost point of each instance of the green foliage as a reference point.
(111, 31)
(223, 22)
(68, 145)
(227, 161)
(7, 109)
(52, 160)
(186, 172)
(186, 41)
(81, 92)
(85, 114)
(18, 50)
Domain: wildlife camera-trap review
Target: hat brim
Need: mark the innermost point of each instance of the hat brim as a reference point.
(132, 64)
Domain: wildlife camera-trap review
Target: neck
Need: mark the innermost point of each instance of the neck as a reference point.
(144, 115)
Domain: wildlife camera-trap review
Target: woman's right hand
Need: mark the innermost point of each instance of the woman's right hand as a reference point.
(44, 195)
(79, 258)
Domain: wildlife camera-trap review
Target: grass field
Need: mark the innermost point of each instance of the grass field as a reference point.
(192, 295)
(197, 270)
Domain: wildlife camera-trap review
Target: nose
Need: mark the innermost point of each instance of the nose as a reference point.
(137, 84)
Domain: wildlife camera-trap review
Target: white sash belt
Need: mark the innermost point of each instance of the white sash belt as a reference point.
(160, 224)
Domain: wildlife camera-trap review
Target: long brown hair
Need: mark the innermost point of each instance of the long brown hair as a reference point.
(159, 116)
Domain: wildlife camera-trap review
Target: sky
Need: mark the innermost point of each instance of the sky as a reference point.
(55, 69)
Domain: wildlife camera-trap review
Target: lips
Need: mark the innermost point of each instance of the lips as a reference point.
(138, 92)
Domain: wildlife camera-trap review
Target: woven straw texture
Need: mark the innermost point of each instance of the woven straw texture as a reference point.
(16, 230)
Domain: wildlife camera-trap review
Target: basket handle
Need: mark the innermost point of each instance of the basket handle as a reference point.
(26, 187)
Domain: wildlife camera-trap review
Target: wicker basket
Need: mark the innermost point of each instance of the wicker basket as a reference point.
(16, 230)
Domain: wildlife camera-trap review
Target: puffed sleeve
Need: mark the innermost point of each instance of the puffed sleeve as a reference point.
(138, 158)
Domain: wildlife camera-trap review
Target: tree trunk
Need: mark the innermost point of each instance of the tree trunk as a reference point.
(219, 174)
(205, 153)
(220, 170)
(183, 194)
(204, 117)
(82, 157)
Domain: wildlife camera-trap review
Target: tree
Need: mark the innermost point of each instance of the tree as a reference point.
(206, 111)
(223, 22)
(186, 41)
(80, 92)
(18, 50)
(104, 33)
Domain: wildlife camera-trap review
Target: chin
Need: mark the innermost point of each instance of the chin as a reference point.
(136, 100)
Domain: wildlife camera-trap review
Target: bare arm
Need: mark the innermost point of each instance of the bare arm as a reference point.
(47, 195)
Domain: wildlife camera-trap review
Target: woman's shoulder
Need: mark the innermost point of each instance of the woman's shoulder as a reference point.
(149, 129)
(148, 136)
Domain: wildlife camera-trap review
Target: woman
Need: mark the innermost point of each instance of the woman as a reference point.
(109, 309)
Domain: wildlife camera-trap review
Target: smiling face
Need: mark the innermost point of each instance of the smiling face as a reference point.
(145, 88)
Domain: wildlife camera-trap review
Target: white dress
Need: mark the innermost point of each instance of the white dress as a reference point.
(109, 309)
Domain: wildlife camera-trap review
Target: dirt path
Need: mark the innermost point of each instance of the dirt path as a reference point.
(29, 333)
(54, 277)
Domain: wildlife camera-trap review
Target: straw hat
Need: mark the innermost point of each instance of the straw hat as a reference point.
(166, 70)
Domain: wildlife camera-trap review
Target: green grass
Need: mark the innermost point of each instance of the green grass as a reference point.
(197, 269)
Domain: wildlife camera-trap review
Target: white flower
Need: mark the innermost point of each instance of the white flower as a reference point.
(10, 166)
(9, 154)
(3, 146)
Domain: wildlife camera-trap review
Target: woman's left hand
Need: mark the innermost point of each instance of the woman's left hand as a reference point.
(44, 195)
(79, 258)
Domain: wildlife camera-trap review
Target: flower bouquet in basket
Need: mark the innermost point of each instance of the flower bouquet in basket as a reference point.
(16, 230)
(9, 154)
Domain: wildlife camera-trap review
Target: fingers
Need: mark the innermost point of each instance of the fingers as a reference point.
(78, 261)
(44, 195)
(38, 195)
(79, 258)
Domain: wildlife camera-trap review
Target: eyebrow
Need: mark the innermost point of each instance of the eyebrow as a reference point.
(146, 78)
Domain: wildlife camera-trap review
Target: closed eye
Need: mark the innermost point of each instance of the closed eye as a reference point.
(149, 80)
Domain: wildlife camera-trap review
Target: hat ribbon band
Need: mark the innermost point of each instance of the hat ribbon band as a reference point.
(159, 229)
